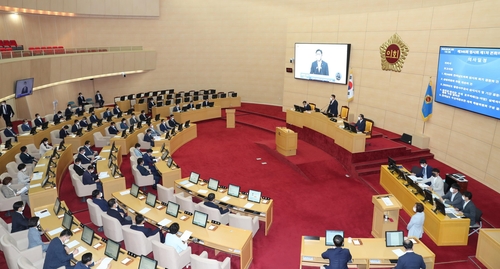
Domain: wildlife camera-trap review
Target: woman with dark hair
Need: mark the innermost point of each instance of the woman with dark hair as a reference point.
(34, 234)
(416, 225)
(171, 239)
(44, 146)
(7, 189)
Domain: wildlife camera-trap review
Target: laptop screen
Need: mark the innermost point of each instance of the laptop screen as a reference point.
(330, 234)
(393, 238)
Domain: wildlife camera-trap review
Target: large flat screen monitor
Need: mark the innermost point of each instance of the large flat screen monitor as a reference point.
(330, 234)
(393, 238)
(322, 62)
(213, 184)
(67, 221)
(112, 249)
(173, 209)
(87, 235)
(233, 190)
(147, 263)
(254, 196)
(23, 87)
(467, 78)
(200, 219)
(134, 190)
(57, 206)
(194, 177)
(151, 200)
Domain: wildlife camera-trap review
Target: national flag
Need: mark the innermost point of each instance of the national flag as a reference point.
(350, 89)
(427, 105)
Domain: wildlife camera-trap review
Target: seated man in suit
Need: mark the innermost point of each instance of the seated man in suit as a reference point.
(151, 103)
(143, 116)
(38, 120)
(107, 113)
(133, 119)
(177, 108)
(84, 123)
(469, 209)
(454, 197)
(81, 100)
(139, 226)
(205, 103)
(76, 126)
(19, 222)
(84, 158)
(136, 151)
(93, 118)
(361, 124)
(123, 124)
(25, 126)
(210, 203)
(112, 129)
(98, 199)
(68, 111)
(425, 172)
(58, 254)
(88, 262)
(154, 132)
(171, 122)
(98, 99)
(90, 178)
(306, 106)
(114, 212)
(88, 151)
(190, 105)
(338, 256)
(149, 138)
(25, 157)
(410, 259)
(9, 132)
(77, 167)
(163, 126)
(116, 110)
(64, 132)
(145, 172)
(58, 117)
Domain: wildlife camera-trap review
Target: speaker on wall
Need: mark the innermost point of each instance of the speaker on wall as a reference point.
(406, 138)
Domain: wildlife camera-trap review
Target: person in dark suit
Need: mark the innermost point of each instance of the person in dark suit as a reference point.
(361, 123)
(89, 178)
(84, 123)
(116, 110)
(453, 197)
(93, 118)
(98, 99)
(19, 222)
(83, 157)
(139, 226)
(57, 253)
(25, 157)
(133, 119)
(115, 213)
(410, 260)
(68, 111)
(190, 105)
(146, 172)
(338, 256)
(171, 122)
(210, 203)
(163, 126)
(205, 103)
(177, 108)
(143, 116)
(38, 120)
(319, 67)
(87, 262)
(107, 113)
(112, 129)
(81, 100)
(58, 117)
(77, 167)
(151, 103)
(76, 126)
(306, 106)
(7, 113)
(469, 209)
(88, 150)
(64, 132)
(8, 132)
(333, 106)
(123, 124)
(98, 199)
(26, 126)
(426, 172)
(149, 138)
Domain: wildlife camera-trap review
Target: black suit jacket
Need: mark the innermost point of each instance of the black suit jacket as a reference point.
(79, 170)
(212, 205)
(115, 214)
(470, 211)
(68, 111)
(8, 109)
(339, 257)
(26, 158)
(98, 97)
(63, 133)
(410, 260)
(38, 122)
(333, 108)
(81, 100)
(19, 222)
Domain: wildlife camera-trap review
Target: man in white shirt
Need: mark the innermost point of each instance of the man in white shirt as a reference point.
(172, 240)
(437, 184)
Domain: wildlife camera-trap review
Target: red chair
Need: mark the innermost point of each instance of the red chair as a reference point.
(60, 47)
(6, 43)
(1, 44)
(8, 49)
(2, 49)
(31, 48)
(43, 48)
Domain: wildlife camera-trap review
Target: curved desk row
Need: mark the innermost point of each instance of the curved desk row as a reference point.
(9, 155)
(224, 238)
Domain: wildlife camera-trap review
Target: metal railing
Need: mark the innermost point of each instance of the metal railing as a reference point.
(61, 51)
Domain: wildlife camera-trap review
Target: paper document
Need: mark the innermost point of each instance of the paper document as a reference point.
(125, 261)
(22, 190)
(105, 150)
(189, 185)
(103, 175)
(56, 231)
(374, 261)
(202, 191)
(450, 210)
(248, 205)
(307, 258)
(185, 236)
(104, 263)
(154, 152)
(225, 198)
(37, 176)
(414, 178)
(125, 192)
(42, 213)
(35, 185)
(184, 182)
(40, 165)
(398, 252)
(164, 222)
(72, 244)
(387, 201)
(145, 210)
(81, 250)
(156, 137)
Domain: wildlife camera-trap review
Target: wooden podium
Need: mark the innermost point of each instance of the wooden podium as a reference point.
(286, 141)
(230, 118)
(385, 216)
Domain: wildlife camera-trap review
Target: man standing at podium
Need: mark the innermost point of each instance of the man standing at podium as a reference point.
(338, 256)
(410, 260)
(333, 106)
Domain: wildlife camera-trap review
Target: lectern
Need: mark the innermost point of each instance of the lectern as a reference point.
(286, 141)
(230, 118)
(385, 214)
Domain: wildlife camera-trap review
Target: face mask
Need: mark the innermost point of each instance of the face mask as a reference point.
(422, 165)
(331, 99)
(452, 190)
(9, 184)
(24, 169)
(38, 117)
(38, 224)
(463, 198)
(435, 175)
(414, 209)
(359, 118)
(66, 241)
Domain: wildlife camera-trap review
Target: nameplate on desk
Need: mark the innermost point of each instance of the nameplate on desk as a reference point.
(105, 150)
(164, 222)
(202, 191)
(145, 210)
(213, 227)
(42, 213)
(125, 192)
(35, 185)
(55, 231)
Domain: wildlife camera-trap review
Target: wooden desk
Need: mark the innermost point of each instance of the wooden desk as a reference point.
(353, 142)
(236, 205)
(123, 105)
(286, 141)
(371, 249)
(381, 224)
(443, 230)
(110, 184)
(179, 139)
(225, 238)
(39, 196)
(227, 102)
(140, 107)
(164, 111)
(488, 247)
(9, 156)
(79, 141)
(128, 142)
(198, 114)
(53, 222)
(168, 175)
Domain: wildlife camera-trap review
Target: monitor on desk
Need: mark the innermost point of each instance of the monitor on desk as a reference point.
(79, 132)
(394, 238)
(112, 249)
(157, 117)
(330, 234)
(346, 125)
(391, 163)
(67, 221)
(8, 143)
(89, 127)
(352, 128)
(169, 162)
(439, 206)
(131, 129)
(87, 235)
(428, 197)
(200, 219)
(164, 156)
(172, 209)
(134, 190)
(147, 263)
(57, 206)
(233, 190)
(254, 196)
(68, 117)
(186, 124)
(45, 180)
(194, 177)
(213, 184)
(45, 125)
(151, 200)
